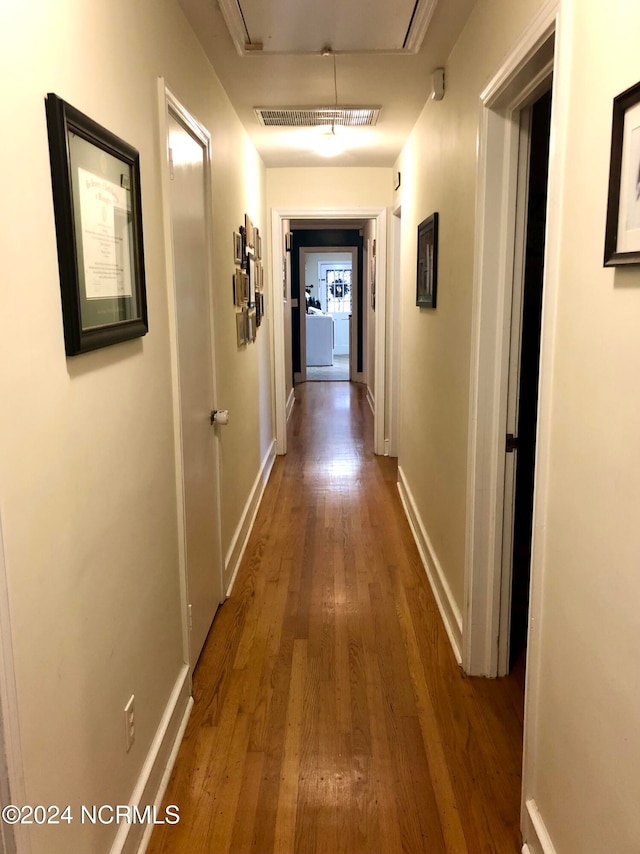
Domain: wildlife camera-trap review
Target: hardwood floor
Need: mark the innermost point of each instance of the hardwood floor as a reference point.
(330, 714)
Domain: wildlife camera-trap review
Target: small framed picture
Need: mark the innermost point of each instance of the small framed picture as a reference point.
(243, 251)
(237, 248)
(241, 327)
(239, 289)
(373, 280)
(284, 278)
(427, 273)
(251, 274)
(248, 231)
(258, 310)
(251, 326)
(622, 233)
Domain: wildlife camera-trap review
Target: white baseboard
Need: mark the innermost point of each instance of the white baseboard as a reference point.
(449, 611)
(534, 831)
(241, 536)
(290, 401)
(371, 400)
(156, 770)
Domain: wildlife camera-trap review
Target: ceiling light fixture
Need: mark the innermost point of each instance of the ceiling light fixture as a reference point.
(329, 144)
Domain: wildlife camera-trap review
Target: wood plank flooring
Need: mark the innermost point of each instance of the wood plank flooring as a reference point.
(330, 715)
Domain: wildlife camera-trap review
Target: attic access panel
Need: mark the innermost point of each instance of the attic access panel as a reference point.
(347, 26)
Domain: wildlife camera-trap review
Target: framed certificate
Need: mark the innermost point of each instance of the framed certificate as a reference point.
(622, 234)
(97, 205)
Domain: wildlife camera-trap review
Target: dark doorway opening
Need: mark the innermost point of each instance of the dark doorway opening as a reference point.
(529, 374)
(302, 238)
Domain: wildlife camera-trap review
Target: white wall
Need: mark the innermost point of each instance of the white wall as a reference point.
(582, 750)
(87, 484)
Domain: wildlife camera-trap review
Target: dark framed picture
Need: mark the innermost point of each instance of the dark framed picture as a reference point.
(427, 274)
(373, 278)
(622, 234)
(95, 178)
(243, 248)
(251, 273)
(258, 310)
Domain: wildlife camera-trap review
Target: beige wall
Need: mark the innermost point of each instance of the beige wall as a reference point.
(585, 751)
(438, 168)
(329, 187)
(87, 484)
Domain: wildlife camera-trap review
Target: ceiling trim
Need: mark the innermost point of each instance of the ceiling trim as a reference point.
(422, 15)
(235, 24)
(234, 19)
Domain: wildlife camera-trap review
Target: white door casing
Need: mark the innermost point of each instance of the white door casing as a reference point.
(280, 369)
(521, 78)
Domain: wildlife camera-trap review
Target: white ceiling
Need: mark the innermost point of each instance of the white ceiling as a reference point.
(290, 71)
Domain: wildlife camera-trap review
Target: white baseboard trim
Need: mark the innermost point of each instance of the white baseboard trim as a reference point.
(156, 769)
(290, 402)
(534, 831)
(241, 536)
(371, 400)
(449, 611)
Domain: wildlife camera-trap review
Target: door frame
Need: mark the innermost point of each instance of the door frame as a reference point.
(14, 837)
(515, 84)
(280, 368)
(169, 104)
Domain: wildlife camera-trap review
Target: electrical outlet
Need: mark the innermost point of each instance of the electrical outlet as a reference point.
(130, 722)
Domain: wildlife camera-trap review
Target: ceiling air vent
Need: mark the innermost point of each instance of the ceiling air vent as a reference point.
(307, 117)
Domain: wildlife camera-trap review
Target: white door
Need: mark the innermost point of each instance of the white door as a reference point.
(188, 158)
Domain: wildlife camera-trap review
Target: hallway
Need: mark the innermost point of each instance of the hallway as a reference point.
(330, 714)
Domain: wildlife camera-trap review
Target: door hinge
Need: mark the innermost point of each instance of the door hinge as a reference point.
(190, 618)
(512, 443)
(171, 176)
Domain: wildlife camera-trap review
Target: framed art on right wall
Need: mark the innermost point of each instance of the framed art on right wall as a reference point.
(427, 273)
(622, 235)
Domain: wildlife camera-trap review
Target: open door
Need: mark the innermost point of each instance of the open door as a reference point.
(524, 370)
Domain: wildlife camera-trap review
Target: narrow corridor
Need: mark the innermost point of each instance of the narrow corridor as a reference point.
(330, 714)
